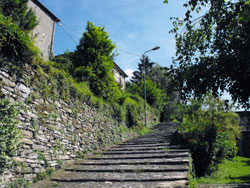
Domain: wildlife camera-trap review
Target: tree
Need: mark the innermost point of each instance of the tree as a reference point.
(137, 75)
(213, 51)
(156, 96)
(210, 130)
(93, 61)
(160, 76)
(19, 13)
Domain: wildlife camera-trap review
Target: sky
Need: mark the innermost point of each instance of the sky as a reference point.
(135, 26)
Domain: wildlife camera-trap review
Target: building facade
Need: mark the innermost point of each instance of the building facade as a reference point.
(44, 33)
(120, 76)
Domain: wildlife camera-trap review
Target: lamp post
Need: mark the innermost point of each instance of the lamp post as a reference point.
(144, 78)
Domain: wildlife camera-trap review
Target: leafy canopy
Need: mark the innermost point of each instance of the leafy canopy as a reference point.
(212, 51)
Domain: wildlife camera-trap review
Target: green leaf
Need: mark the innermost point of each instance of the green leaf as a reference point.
(165, 1)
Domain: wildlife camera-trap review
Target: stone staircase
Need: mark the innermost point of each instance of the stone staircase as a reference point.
(150, 161)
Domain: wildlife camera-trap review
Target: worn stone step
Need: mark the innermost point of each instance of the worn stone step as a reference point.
(144, 145)
(151, 141)
(152, 137)
(140, 156)
(170, 161)
(128, 168)
(165, 150)
(121, 177)
(107, 184)
(145, 142)
(130, 148)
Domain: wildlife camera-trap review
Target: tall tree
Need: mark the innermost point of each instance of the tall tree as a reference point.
(213, 50)
(137, 75)
(93, 61)
(19, 13)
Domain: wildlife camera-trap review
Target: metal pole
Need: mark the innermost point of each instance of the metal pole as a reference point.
(145, 93)
(144, 78)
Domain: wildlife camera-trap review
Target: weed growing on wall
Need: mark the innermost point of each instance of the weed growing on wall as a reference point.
(10, 134)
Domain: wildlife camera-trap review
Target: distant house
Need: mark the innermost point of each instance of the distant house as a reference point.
(120, 76)
(44, 33)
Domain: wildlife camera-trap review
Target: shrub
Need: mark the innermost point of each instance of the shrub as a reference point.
(130, 106)
(18, 12)
(210, 130)
(9, 134)
(64, 62)
(15, 44)
(156, 97)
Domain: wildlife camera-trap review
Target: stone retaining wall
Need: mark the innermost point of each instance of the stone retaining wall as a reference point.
(54, 130)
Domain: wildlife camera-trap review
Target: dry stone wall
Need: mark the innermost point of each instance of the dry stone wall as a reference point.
(54, 130)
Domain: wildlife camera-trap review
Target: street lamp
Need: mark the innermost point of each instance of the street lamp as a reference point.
(144, 78)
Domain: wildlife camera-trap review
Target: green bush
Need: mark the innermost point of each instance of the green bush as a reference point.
(10, 134)
(210, 130)
(156, 97)
(119, 112)
(19, 13)
(15, 44)
(133, 107)
(64, 62)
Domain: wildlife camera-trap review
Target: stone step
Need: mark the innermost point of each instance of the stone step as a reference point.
(128, 168)
(146, 148)
(166, 144)
(147, 142)
(170, 161)
(108, 184)
(152, 138)
(141, 156)
(151, 141)
(115, 152)
(121, 177)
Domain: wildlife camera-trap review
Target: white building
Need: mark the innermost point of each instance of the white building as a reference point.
(120, 76)
(44, 33)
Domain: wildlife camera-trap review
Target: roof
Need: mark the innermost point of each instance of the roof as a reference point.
(120, 70)
(46, 10)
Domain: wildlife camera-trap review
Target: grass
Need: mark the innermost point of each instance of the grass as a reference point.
(166, 150)
(142, 130)
(236, 170)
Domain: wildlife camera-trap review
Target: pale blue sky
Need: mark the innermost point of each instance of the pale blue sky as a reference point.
(133, 25)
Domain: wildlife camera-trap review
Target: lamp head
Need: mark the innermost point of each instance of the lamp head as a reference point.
(156, 48)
